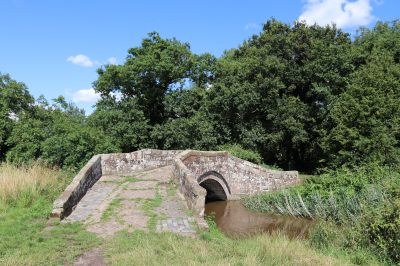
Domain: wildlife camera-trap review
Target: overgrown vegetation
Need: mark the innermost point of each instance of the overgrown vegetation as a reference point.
(238, 151)
(359, 209)
(26, 183)
(295, 96)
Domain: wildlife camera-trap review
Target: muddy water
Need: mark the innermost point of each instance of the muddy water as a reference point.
(233, 219)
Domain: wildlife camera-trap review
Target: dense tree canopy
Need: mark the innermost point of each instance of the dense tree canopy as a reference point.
(303, 97)
(151, 70)
(14, 100)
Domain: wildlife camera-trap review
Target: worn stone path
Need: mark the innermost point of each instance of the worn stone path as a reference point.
(146, 200)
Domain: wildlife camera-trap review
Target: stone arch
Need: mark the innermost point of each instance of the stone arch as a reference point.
(216, 186)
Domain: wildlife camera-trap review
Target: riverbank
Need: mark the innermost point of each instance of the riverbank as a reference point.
(357, 211)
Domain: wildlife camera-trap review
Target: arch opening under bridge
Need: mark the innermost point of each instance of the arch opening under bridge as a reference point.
(216, 186)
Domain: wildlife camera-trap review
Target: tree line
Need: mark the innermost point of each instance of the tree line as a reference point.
(303, 97)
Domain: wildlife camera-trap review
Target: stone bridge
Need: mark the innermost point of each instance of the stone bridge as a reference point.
(200, 176)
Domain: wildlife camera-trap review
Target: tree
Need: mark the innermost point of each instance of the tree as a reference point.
(156, 67)
(272, 93)
(195, 132)
(123, 123)
(363, 123)
(56, 134)
(14, 101)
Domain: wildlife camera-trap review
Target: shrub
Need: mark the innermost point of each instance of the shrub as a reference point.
(382, 227)
(240, 152)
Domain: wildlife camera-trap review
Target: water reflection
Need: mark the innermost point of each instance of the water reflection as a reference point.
(235, 220)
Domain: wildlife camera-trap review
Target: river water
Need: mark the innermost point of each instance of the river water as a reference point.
(234, 220)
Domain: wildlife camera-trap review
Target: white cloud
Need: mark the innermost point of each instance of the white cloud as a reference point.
(252, 25)
(112, 61)
(344, 13)
(81, 60)
(86, 96)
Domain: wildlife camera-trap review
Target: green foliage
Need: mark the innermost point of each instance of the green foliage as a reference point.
(196, 132)
(303, 97)
(14, 101)
(151, 70)
(272, 93)
(382, 227)
(123, 123)
(238, 151)
(365, 119)
(58, 135)
(360, 207)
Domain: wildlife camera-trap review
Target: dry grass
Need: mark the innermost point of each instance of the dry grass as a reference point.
(31, 179)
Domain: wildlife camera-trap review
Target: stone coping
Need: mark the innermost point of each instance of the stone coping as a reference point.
(85, 179)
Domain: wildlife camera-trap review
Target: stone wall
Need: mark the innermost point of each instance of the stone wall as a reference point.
(84, 180)
(240, 177)
(200, 162)
(190, 189)
(246, 178)
(127, 163)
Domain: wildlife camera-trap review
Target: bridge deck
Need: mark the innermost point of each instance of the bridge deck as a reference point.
(146, 200)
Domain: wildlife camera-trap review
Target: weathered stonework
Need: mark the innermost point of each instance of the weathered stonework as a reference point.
(194, 194)
(84, 180)
(127, 163)
(237, 177)
(191, 170)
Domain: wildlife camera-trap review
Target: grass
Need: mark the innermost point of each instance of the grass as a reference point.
(130, 179)
(270, 167)
(357, 211)
(213, 248)
(26, 182)
(148, 207)
(111, 209)
(171, 189)
(24, 238)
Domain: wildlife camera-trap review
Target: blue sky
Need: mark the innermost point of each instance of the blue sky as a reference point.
(55, 46)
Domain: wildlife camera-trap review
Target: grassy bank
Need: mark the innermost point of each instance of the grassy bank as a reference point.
(26, 198)
(358, 211)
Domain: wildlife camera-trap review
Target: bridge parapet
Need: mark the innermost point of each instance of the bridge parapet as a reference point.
(191, 169)
(128, 163)
(237, 177)
(247, 178)
(193, 193)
